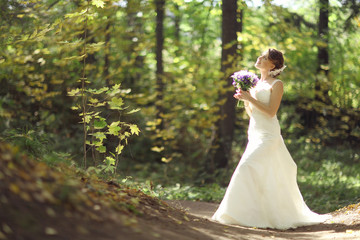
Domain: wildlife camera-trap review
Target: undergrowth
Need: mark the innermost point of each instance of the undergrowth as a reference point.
(328, 177)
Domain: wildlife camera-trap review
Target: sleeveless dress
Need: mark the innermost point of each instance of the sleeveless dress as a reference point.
(263, 190)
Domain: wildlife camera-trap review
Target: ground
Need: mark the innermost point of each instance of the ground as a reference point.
(345, 224)
(39, 202)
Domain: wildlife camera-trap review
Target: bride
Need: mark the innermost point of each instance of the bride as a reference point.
(263, 190)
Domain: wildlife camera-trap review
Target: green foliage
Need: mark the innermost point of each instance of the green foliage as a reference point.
(31, 141)
(108, 100)
(36, 144)
(208, 193)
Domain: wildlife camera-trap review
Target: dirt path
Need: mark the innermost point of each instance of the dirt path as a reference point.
(345, 224)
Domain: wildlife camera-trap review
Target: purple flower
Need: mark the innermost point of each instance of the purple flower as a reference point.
(244, 80)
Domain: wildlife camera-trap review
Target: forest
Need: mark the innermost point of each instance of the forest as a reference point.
(137, 95)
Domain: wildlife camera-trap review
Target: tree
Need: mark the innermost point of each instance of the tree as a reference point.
(221, 144)
(160, 5)
(321, 85)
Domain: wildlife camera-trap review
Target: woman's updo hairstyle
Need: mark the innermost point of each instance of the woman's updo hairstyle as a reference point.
(277, 58)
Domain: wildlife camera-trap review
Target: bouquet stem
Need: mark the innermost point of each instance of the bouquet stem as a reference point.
(238, 103)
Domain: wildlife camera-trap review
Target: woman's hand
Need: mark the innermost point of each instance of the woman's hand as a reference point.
(242, 95)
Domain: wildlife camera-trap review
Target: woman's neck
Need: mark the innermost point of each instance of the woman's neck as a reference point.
(265, 75)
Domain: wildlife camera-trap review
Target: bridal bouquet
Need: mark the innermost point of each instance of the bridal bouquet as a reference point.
(244, 80)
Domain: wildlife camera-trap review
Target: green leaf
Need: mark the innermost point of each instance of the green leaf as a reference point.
(74, 92)
(97, 143)
(116, 103)
(134, 129)
(98, 3)
(119, 149)
(99, 135)
(114, 90)
(157, 149)
(116, 86)
(166, 160)
(75, 57)
(97, 91)
(87, 119)
(93, 100)
(101, 149)
(133, 111)
(99, 124)
(109, 161)
(114, 128)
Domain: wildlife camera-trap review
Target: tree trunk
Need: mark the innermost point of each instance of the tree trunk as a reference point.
(177, 20)
(160, 5)
(220, 152)
(322, 98)
(321, 84)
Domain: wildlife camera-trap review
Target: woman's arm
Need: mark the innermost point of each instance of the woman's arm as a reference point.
(275, 99)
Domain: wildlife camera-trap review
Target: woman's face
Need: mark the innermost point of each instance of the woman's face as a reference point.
(263, 62)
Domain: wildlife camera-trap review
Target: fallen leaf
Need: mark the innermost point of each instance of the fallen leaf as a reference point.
(50, 231)
(24, 175)
(25, 196)
(154, 234)
(4, 200)
(128, 221)
(50, 212)
(48, 196)
(14, 188)
(6, 228)
(2, 236)
(11, 165)
(82, 230)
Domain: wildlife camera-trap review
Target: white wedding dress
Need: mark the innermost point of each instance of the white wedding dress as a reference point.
(263, 190)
